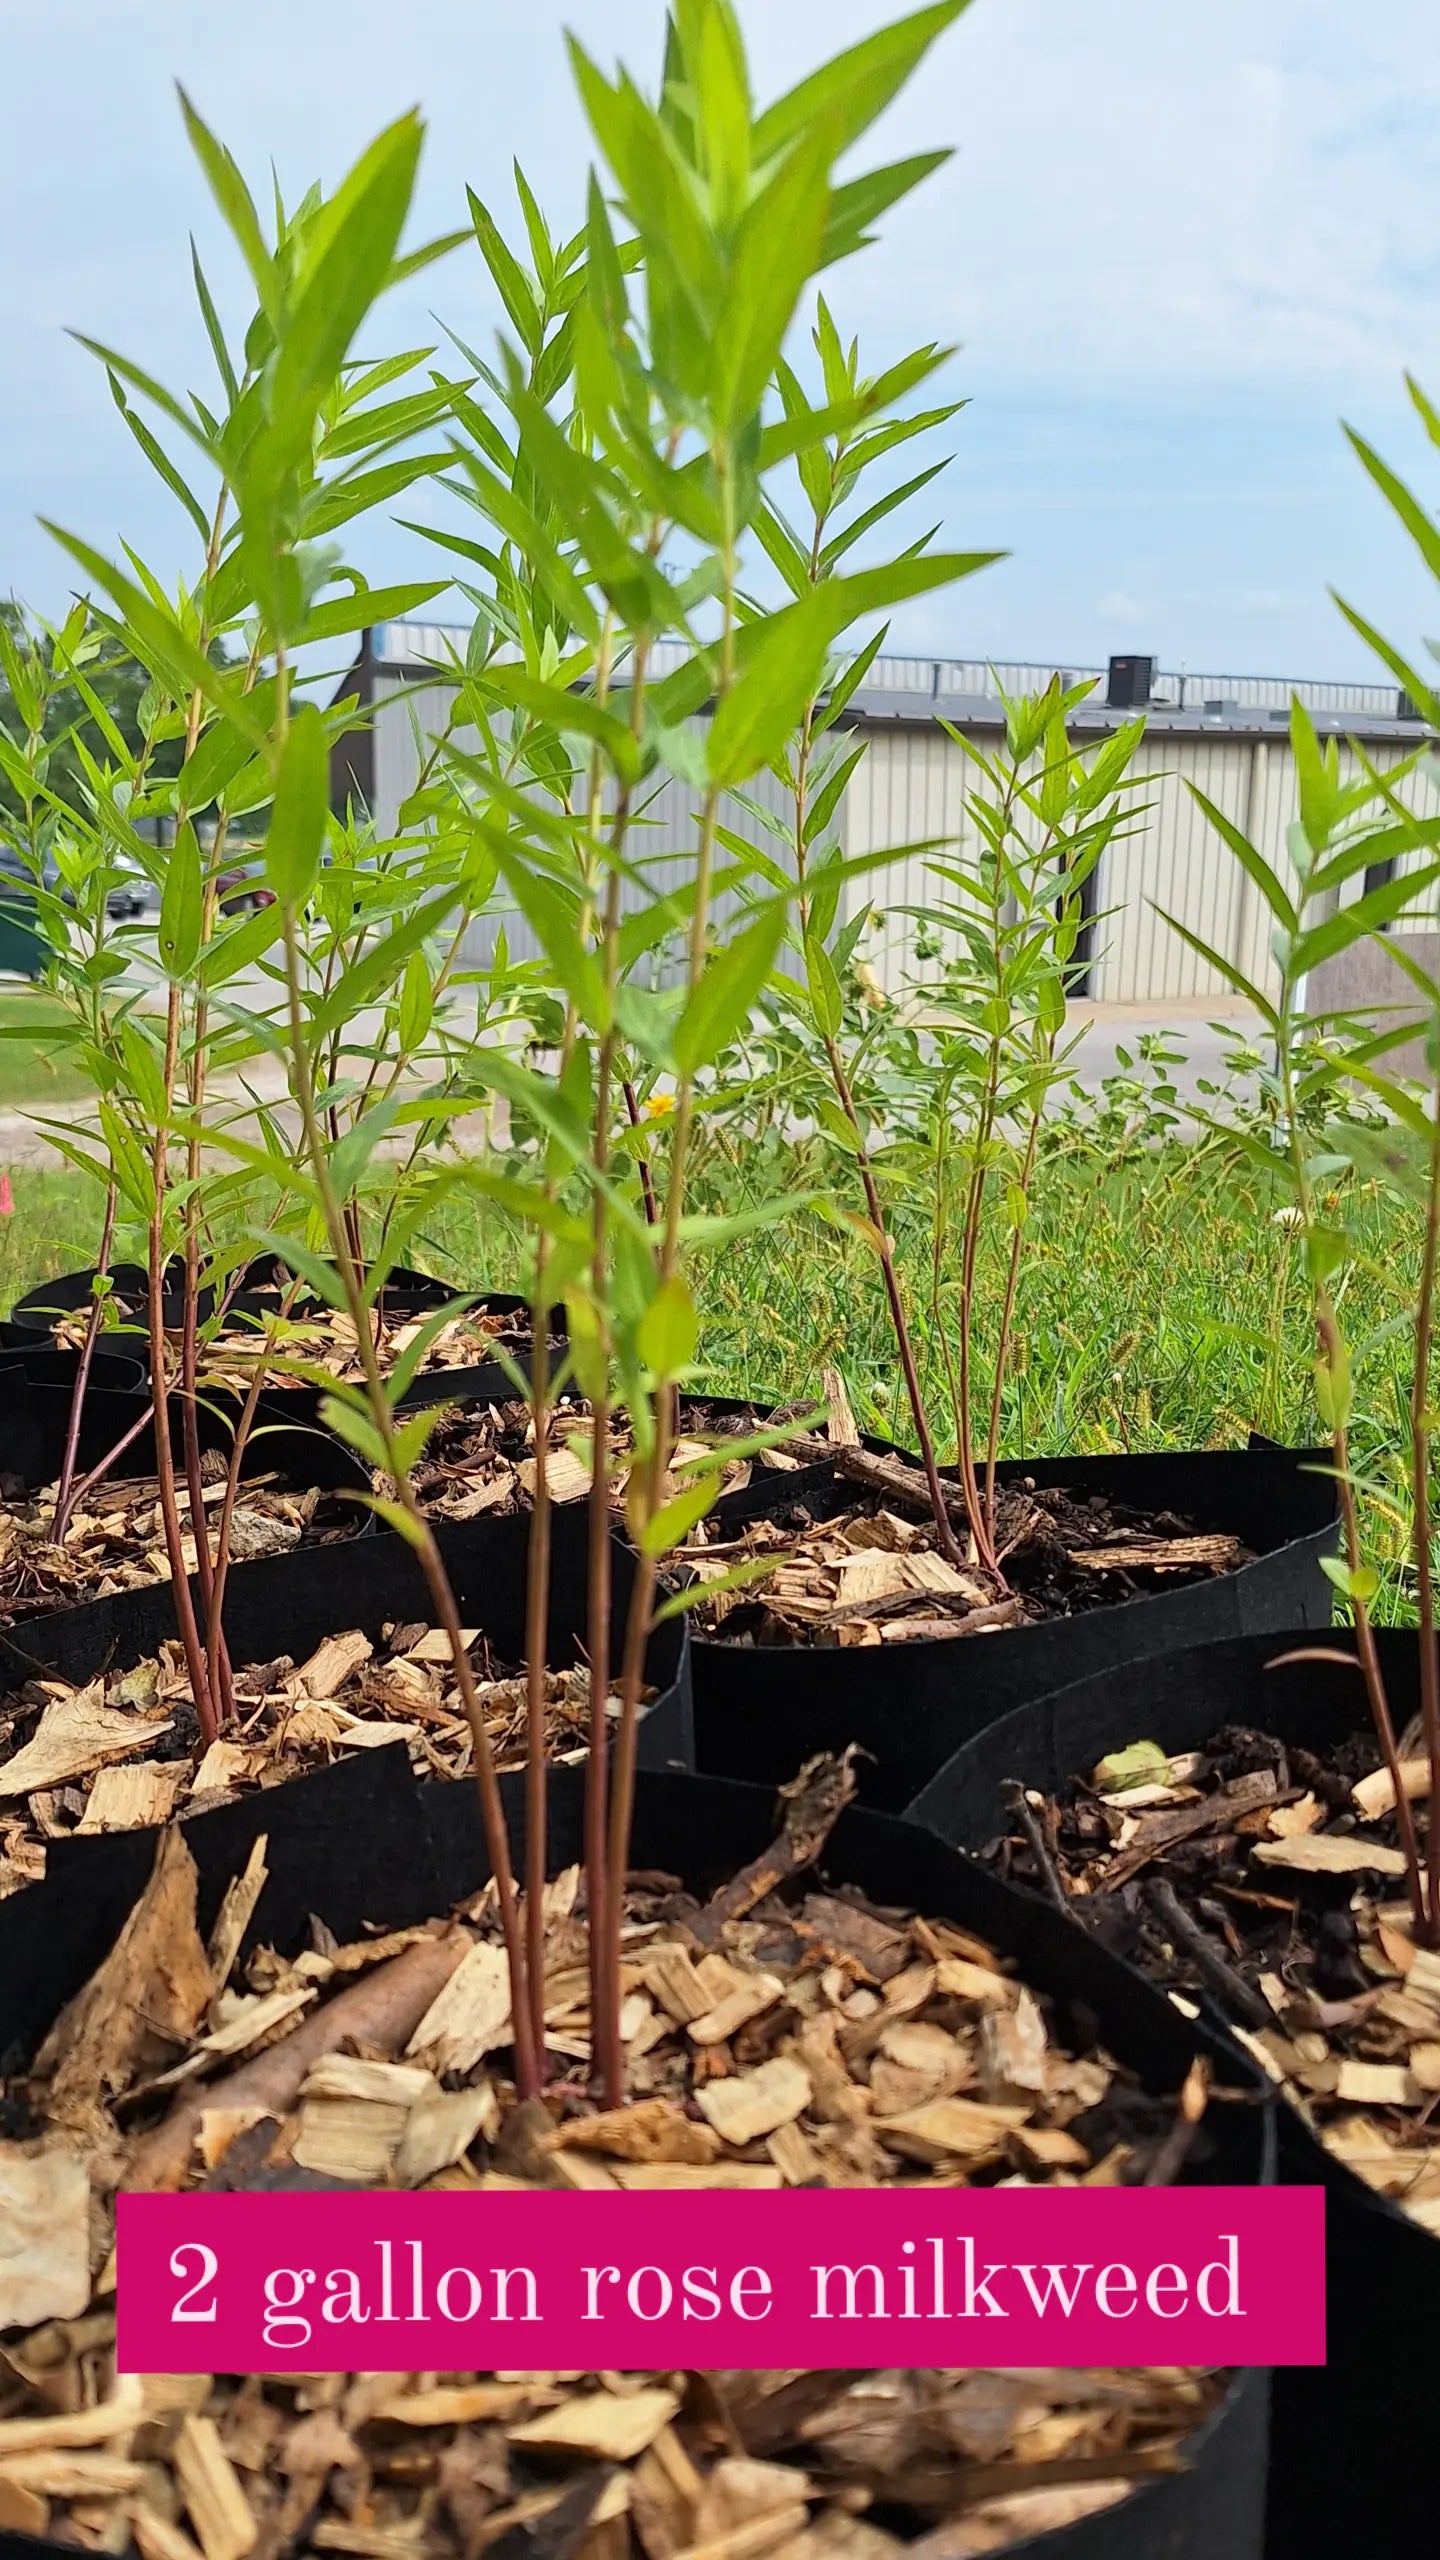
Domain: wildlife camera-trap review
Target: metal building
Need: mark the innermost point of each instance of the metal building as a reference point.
(1227, 735)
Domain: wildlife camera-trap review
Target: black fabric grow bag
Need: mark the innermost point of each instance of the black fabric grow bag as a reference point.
(32, 1318)
(80, 1639)
(332, 1855)
(760, 1711)
(288, 1604)
(1352, 2444)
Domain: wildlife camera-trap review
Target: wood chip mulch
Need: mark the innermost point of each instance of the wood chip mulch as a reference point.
(1270, 1878)
(115, 1540)
(776, 2036)
(124, 1751)
(872, 1573)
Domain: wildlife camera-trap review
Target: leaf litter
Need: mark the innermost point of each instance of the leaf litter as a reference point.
(780, 2035)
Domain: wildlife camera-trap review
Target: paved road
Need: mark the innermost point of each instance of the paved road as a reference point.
(1204, 1032)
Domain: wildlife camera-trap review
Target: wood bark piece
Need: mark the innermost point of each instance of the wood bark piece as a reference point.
(812, 1805)
(653, 2129)
(440, 2129)
(1374, 1797)
(1162, 1555)
(1322, 1853)
(756, 2102)
(381, 2011)
(218, 2506)
(148, 1996)
(469, 2016)
(74, 1736)
(602, 2424)
(44, 2238)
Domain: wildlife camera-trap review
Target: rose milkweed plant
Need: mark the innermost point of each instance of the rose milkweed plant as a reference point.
(617, 454)
(1362, 859)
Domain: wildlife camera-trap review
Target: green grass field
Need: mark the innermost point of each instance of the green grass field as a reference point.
(35, 1069)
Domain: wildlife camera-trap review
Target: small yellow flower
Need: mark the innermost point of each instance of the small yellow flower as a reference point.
(658, 1106)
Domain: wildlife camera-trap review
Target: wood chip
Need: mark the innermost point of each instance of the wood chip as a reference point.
(471, 2015)
(652, 2129)
(75, 1736)
(347, 2075)
(463, 2404)
(756, 2102)
(44, 2237)
(1374, 1797)
(217, 2505)
(1295, 1821)
(953, 2128)
(601, 2424)
(755, 1993)
(223, 1766)
(440, 2128)
(664, 2175)
(134, 1797)
(351, 2138)
(1377, 2084)
(332, 1664)
(1325, 1854)
(237, 1910)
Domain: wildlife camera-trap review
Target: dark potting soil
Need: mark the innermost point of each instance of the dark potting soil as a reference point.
(1271, 1879)
(870, 1571)
(773, 2036)
(116, 1541)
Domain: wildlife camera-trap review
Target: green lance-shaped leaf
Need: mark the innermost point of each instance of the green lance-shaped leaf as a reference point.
(182, 905)
(417, 1003)
(858, 84)
(302, 798)
(669, 1329)
(720, 1005)
(347, 264)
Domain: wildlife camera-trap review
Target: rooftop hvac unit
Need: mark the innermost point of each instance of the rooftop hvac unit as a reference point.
(1131, 683)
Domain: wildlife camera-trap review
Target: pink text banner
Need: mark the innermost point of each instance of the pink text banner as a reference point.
(902, 2277)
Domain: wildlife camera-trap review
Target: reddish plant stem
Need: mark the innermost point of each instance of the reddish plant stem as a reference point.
(600, 1889)
(65, 1496)
(537, 1656)
(419, 1532)
(160, 1399)
(1007, 1318)
(1420, 1479)
(143, 1422)
(647, 1184)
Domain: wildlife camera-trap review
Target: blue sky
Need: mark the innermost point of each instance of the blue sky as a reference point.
(1179, 239)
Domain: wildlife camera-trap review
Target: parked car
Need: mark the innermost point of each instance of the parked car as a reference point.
(17, 884)
(242, 889)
